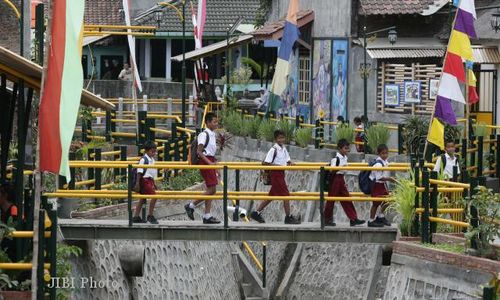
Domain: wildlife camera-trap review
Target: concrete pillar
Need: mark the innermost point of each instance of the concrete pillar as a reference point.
(120, 113)
(168, 60)
(190, 111)
(145, 102)
(147, 58)
(98, 118)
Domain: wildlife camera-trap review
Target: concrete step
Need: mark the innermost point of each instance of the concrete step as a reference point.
(254, 298)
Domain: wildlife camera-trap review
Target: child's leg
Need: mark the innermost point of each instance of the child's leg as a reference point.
(328, 212)
(138, 207)
(211, 190)
(349, 210)
(263, 205)
(373, 210)
(286, 207)
(152, 207)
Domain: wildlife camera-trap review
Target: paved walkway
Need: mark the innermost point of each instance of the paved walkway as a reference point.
(85, 229)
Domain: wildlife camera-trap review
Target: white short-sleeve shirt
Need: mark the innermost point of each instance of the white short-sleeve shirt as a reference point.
(377, 175)
(150, 172)
(450, 163)
(282, 156)
(211, 147)
(342, 162)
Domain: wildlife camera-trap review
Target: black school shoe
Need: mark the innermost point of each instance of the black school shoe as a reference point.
(375, 223)
(189, 211)
(356, 222)
(257, 217)
(137, 220)
(383, 221)
(292, 220)
(211, 220)
(151, 219)
(330, 223)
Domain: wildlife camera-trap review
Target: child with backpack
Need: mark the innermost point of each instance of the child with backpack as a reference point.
(379, 188)
(145, 183)
(338, 188)
(207, 147)
(447, 161)
(277, 156)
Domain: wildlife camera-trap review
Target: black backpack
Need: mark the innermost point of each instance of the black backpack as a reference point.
(364, 181)
(329, 174)
(134, 171)
(193, 149)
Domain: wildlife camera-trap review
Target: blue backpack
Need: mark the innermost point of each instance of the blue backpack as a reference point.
(364, 181)
(134, 171)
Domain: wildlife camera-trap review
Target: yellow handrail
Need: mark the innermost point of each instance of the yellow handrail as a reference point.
(20, 266)
(449, 222)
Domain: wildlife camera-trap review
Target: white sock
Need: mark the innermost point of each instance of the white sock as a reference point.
(206, 216)
(380, 215)
(191, 205)
(372, 220)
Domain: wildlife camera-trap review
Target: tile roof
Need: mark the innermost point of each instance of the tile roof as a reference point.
(399, 7)
(220, 15)
(269, 29)
(108, 12)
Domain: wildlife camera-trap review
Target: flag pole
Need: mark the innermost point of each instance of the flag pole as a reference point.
(37, 173)
(467, 107)
(440, 79)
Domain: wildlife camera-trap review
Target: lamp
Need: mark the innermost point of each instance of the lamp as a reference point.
(365, 69)
(495, 21)
(392, 36)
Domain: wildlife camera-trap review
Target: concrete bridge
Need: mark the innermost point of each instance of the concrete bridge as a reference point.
(308, 232)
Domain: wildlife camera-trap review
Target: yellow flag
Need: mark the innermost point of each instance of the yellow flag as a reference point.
(436, 134)
(460, 45)
(471, 78)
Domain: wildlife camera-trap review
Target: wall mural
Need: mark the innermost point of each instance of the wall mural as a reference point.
(289, 99)
(339, 82)
(321, 78)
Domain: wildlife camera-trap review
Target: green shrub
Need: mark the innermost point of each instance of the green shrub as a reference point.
(181, 182)
(345, 131)
(250, 127)
(403, 202)
(480, 129)
(487, 204)
(452, 133)
(233, 123)
(303, 137)
(266, 130)
(415, 134)
(377, 135)
(288, 128)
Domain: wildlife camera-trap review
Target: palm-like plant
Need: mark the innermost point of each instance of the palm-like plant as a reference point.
(403, 202)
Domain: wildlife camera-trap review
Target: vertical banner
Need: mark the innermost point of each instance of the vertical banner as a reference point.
(289, 99)
(131, 46)
(321, 79)
(339, 75)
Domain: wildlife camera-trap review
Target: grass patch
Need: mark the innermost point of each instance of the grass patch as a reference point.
(455, 248)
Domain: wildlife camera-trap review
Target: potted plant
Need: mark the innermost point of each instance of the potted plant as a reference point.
(414, 135)
(345, 131)
(403, 203)
(377, 135)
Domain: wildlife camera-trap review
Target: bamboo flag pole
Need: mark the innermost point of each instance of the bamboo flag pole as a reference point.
(37, 174)
(440, 79)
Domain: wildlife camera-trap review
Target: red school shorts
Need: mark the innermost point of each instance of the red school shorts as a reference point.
(148, 186)
(278, 184)
(210, 176)
(379, 190)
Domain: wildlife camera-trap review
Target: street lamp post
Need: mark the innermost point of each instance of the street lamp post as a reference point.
(183, 109)
(365, 68)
